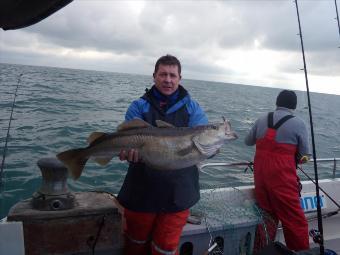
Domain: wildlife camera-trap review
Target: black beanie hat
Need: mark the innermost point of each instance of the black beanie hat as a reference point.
(287, 99)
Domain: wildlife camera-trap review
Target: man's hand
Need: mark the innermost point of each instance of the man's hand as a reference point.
(304, 159)
(131, 156)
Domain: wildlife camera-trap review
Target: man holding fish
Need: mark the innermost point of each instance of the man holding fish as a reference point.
(157, 202)
(164, 136)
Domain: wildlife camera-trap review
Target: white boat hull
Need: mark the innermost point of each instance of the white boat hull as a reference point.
(12, 237)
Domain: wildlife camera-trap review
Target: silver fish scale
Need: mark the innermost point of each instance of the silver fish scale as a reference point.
(170, 131)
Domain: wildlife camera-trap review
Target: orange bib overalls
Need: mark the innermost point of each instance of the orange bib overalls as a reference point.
(276, 188)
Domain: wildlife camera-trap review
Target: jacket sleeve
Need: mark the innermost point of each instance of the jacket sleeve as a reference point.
(197, 115)
(303, 141)
(250, 138)
(134, 111)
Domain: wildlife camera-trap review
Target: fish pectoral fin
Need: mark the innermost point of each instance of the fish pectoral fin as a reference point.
(94, 136)
(185, 151)
(163, 124)
(133, 124)
(198, 145)
(207, 150)
(102, 161)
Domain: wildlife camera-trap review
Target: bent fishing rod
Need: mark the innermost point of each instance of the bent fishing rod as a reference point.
(8, 129)
(249, 165)
(316, 238)
(318, 206)
(336, 203)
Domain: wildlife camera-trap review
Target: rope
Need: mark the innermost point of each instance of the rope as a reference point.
(98, 234)
(8, 129)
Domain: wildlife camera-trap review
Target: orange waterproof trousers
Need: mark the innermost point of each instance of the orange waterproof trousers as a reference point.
(153, 233)
(277, 192)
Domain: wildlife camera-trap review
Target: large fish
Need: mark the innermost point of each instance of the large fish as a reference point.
(164, 147)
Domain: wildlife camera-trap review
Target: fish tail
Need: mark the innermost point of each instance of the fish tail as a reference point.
(74, 160)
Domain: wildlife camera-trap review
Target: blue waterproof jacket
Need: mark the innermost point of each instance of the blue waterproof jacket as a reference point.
(149, 190)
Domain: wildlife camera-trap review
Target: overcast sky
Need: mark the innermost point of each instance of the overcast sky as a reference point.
(245, 42)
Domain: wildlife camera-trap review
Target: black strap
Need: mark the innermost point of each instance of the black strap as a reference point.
(279, 123)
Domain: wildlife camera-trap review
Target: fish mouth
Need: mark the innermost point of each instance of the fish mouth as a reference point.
(230, 135)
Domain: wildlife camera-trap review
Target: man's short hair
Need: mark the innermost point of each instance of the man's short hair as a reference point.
(287, 99)
(168, 60)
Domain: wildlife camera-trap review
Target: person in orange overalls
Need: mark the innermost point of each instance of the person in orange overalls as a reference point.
(281, 141)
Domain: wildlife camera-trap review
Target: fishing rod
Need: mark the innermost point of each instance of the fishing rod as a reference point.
(318, 206)
(9, 127)
(314, 233)
(337, 16)
(251, 164)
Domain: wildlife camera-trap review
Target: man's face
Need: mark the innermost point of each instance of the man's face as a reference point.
(167, 79)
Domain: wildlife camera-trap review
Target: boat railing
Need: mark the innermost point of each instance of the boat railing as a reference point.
(249, 164)
(334, 160)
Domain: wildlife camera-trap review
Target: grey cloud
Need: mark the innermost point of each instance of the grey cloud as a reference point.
(324, 63)
(275, 24)
(107, 26)
(196, 31)
(90, 25)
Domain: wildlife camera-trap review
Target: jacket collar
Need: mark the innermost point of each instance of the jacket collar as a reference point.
(280, 108)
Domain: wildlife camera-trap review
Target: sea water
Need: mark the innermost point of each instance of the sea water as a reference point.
(56, 109)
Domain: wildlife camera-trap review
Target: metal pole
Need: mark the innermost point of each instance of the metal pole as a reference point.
(334, 168)
(320, 227)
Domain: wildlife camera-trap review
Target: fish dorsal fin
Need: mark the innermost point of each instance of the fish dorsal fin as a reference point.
(133, 124)
(94, 136)
(163, 124)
